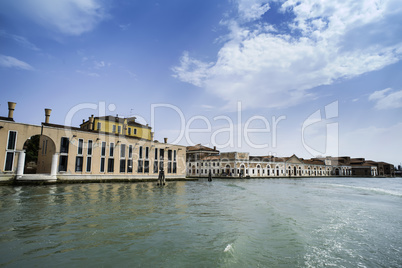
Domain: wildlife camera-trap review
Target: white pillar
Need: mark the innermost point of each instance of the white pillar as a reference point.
(21, 164)
(53, 171)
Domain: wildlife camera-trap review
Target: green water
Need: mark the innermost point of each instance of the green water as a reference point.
(311, 222)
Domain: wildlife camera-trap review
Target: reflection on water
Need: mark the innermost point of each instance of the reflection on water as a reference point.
(230, 223)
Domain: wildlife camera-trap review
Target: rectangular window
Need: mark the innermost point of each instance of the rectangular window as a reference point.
(12, 138)
(110, 165)
(161, 158)
(46, 146)
(64, 145)
(146, 166)
(156, 161)
(89, 151)
(119, 129)
(129, 131)
(114, 128)
(174, 162)
(146, 162)
(123, 151)
(63, 163)
(140, 166)
(140, 161)
(103, 154)
(103, 150)
(89, 162)
(169, 167)
(102, 165)
(130, 166)
(111, 149)
(135, 131)
(130, 151)
(99, 126)
(78, 163)
(123, 158)
(80, 145)
(146, 152)
(9, 161)
(10, 154)
(122, 165)
(140, 153)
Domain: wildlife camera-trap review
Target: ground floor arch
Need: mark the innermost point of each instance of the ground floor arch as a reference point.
(39, 150)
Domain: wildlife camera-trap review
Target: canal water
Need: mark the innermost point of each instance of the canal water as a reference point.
(309, 222)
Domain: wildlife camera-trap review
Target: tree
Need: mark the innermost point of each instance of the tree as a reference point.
(31, 147)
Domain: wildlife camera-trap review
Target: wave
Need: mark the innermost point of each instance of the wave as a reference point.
(370, 189)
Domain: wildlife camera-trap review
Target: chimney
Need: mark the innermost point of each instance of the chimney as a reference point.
(11, 107)
(91, 122)
(47, 115)
(165, 139)
(214, 148)
(152, 136)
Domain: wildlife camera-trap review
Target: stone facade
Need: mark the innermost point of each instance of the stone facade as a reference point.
(240, 164)
(69, 153)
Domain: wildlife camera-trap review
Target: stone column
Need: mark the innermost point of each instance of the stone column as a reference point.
(53, 170)
(21, 164)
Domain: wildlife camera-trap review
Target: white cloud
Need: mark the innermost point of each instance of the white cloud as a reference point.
(99, 64)
(22, 41)
(379, 94)
(92, 74)
(11, 62)
(252, 9)
(72, 17)
(191, 70)
(124, 27)
(386, 101)
(269, 68)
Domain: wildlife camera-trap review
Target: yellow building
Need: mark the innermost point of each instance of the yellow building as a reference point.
(117, 125)
(68, 153)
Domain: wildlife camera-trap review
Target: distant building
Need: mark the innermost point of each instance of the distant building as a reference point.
(201, 160)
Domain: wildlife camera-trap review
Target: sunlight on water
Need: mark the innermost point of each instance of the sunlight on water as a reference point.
(311, 222)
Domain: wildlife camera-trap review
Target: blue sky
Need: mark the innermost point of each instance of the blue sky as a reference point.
(311, 77)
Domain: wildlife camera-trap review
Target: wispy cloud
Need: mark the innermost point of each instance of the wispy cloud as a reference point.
(92, 74)
(124, 27)
(99, 64)
(252, 9)
(71, 17)
(207, 107)
(11, 62)
(191, 70)
(278, 68)
(387, 99)
(20, 40)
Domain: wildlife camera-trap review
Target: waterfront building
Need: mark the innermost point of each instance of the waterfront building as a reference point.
(201, 160)
(68, 153)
